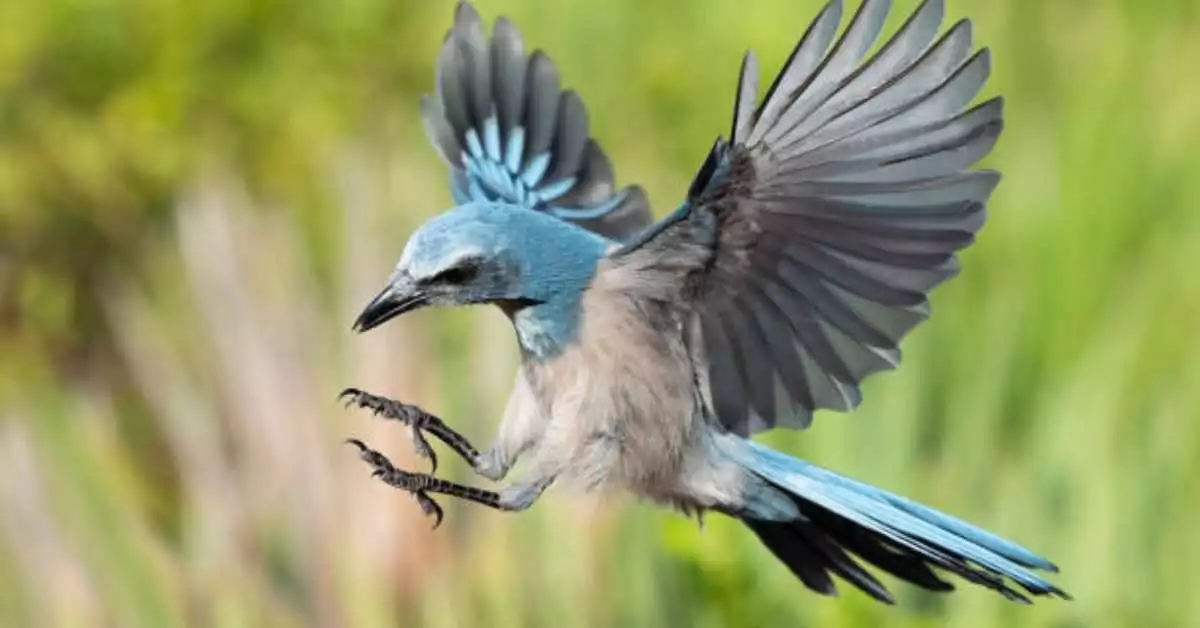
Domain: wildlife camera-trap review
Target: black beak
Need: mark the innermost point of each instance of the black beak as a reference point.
(398, 297)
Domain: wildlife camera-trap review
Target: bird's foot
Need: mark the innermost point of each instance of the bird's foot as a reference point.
(414, 483)
(418, 421)
(421, 484)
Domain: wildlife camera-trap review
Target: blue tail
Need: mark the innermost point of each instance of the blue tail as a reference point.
(837, 515)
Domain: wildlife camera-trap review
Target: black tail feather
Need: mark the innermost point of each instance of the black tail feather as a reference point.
(811, 555)
(903, 565)
(795, 553)
(822, 545)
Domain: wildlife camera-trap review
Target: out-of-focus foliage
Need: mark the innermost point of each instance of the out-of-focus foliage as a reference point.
(196, 197)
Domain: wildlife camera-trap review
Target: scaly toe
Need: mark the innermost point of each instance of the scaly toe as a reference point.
(370, 456)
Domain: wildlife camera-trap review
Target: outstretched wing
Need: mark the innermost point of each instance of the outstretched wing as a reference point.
(510, 133)
(809, 243)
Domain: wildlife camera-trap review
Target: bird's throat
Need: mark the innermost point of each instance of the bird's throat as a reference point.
(545, 329)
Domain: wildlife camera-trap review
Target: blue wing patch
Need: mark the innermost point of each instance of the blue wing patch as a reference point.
(501, 121)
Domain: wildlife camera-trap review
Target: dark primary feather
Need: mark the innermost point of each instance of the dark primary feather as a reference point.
(510, 132)
(839, 204)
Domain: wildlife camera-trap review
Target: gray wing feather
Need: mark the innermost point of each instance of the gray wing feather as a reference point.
(930, 70)
(841, 202)
(747, 98)
(847, 54)
(798, 69)
(541, 117)
(749, 346)
(468, 34)
(570, 138)
(451, 68)
(909, 42)
(597, 178)
(439, 130)
(503, 123)
(725, 382)
(508, 72)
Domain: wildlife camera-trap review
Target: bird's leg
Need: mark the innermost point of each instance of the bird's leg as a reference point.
(513, 498)
(520, 496)
(493, 464)
(419, 421)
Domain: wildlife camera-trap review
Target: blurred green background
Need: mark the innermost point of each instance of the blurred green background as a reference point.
(197, 197)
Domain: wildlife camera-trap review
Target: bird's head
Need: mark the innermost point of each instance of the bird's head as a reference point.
(486, 253)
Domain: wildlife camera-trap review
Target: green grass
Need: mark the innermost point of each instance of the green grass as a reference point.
(196, 198)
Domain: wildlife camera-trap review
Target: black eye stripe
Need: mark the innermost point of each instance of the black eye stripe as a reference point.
(462, 272)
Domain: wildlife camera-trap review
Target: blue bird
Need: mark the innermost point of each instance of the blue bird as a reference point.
(805, 249)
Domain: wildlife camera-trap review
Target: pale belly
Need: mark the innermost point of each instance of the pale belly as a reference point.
(670, 460)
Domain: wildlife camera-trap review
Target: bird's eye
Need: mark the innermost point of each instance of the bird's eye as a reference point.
(462, 272)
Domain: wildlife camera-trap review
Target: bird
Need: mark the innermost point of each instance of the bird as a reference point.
(652, 352)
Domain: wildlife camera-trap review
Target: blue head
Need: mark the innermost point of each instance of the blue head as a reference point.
(534, 265)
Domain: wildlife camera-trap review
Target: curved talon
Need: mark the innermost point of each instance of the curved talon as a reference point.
(353, 393)
(429, 507)
(377, 460)
(423, 448)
